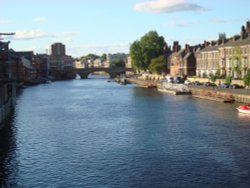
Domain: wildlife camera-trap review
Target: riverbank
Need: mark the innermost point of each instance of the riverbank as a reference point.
(209, 93)
(143, 83)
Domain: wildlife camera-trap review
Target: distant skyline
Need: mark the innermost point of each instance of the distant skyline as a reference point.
(110, 26)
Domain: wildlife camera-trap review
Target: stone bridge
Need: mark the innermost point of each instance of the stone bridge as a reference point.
(113, 72)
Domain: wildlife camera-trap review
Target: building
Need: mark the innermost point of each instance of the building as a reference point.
(7, 83)
(207, 59)
(182, 62)
(58, 49)
(58, 60)
(128, 62)
(225, 56)
(42, 65)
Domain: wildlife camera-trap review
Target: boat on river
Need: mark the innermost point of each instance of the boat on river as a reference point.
(173, 88)
(244, 109)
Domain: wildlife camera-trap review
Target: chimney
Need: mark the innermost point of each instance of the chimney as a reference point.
(187, 48)
(235, 38)
(242, 33)
(212, 43)
(206, 43)
(248, 27)
(176, 46)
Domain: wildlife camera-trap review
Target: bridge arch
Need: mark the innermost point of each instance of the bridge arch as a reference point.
(113, 72)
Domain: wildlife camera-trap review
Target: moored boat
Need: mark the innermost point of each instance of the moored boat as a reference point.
(244, 109)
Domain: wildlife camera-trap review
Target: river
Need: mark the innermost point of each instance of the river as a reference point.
(96, 134)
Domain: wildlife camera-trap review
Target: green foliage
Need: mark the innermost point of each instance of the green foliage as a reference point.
(228, 80)
(104, 57)
(246, 78)
(212, 77)
(158, 65)
(117, 63)
(237, 57)
(91, 57)
(142, 51)
(204, 75)
(136, 56)
(152, 46)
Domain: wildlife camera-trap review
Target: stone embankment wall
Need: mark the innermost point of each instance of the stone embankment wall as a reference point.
(213, 94)
(241, 98)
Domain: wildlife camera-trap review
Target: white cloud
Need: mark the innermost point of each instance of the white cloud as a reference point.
(225, 21)
(40, 20)
(3, 21)
(168, 6)
(31, 34)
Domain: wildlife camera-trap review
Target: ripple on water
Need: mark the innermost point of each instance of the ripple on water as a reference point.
(90, 133)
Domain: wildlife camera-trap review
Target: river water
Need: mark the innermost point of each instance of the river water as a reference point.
(95, 134)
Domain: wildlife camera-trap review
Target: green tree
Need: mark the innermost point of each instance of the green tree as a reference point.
(104, 57)
(246, 78)
(158, 65)
(228, 80)
(212, 77)
(142, 51)
(91, 57)
(237, 61)
(117, 63)
(152, 46)
(136, 56)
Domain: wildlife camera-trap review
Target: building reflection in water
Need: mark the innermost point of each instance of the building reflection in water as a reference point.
(8, 158)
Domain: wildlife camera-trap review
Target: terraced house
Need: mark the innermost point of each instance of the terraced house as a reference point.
(182, 61)
(225, 57)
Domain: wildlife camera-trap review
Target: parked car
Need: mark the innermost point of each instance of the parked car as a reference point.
(178, 79)
(187, 82)
(224, 85)
(209, 84)
(196, 83)
(236, 86)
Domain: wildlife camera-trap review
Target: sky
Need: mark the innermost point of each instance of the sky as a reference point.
(110, 26)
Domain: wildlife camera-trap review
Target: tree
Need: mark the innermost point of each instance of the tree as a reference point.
(228, 80)
(152, 46)
(246, 78)
(237, 61)
(142, 51)
(212, 77)
(136, 56)
(104, 57)
(117, 63)
(91, 57)
(158, 65)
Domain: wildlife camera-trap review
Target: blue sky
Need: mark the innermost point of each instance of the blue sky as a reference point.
(109, 26)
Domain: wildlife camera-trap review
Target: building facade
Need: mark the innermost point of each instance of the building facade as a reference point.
(182, 62)
(225, 57)
(58, 49)
(58, 60)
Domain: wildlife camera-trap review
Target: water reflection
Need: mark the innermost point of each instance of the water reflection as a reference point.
(92, 133)
(244, 117)
(8, 158)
